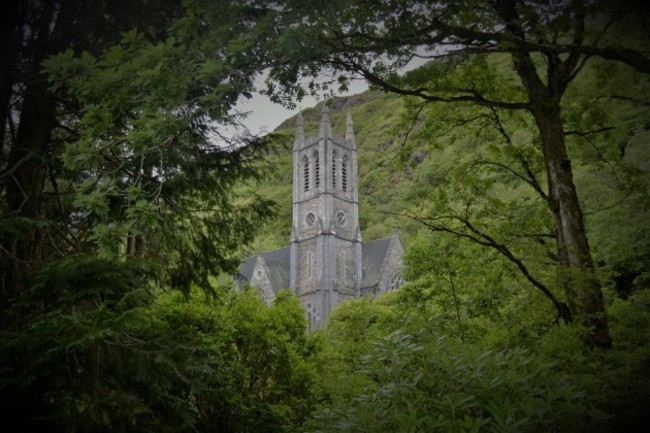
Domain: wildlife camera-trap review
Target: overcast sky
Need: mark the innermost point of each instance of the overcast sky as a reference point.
(265, 116)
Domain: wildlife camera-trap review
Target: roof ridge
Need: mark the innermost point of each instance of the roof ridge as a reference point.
(276, 260)
(380, 239)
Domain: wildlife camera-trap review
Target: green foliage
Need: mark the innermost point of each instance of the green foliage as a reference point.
(351, 327)
(613, 168)
(256, 375)
(94, 350)
(423, 382)
(387, 365)
(72, 361)
(152, 157)
(474, 294)
(626, 369)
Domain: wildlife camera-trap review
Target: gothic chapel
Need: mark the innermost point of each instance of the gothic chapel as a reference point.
(326, 261)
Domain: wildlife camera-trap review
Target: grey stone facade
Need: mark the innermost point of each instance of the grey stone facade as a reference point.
(326, 261)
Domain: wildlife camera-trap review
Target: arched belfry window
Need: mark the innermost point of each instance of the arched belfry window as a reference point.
(305, 165)
(316, 170)
(344, 173)
(334, 156)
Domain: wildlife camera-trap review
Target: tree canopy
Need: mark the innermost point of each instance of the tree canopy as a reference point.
(515, 156)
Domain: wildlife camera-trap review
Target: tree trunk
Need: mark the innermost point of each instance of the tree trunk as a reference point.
(10, 34)
(25, 174)
(25, 185)
(581, 285)
(583, 289)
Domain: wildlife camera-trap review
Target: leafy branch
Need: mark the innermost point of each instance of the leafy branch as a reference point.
(468, 231)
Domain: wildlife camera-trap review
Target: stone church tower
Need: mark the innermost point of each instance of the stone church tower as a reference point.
(326, 262)
(325, 243)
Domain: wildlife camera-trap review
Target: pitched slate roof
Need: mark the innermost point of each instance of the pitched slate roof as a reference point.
(373, 255)
(276, 259)
(245, 271)
(278, 274)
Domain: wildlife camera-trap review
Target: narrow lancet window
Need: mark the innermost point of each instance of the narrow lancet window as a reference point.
(309, 264)
(305, 163)
(316, 170)
(334, 156)
(344, 173)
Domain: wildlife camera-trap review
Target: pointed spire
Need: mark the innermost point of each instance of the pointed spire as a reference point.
(349, 131)
(300, 132)
(299, 121)
(325, 127)
(357, 234)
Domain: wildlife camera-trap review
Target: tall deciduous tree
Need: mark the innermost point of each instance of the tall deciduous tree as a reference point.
(548, 46)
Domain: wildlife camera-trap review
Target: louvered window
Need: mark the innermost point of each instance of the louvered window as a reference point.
(334, 156)
(305, 163)
(344, 174)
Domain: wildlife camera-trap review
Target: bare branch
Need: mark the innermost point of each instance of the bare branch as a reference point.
(474, 96)
(481, 238)
(586, 133)
(530, 177)
(16, 166)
